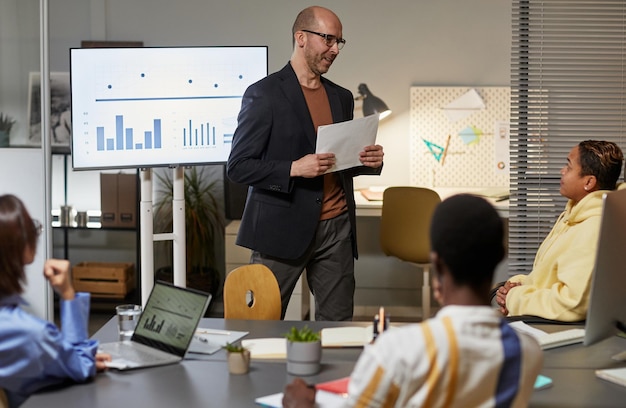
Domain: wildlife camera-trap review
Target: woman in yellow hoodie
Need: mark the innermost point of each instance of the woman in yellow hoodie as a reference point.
(558, 286)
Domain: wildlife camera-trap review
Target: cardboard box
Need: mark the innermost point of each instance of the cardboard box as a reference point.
(104, 279)
(118, 200)
(108, 199)
(127, 200)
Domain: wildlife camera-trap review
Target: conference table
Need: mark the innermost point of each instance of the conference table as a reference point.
(204, 381)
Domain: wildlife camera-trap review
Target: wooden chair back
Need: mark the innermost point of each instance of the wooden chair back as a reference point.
(251, 292)
(4, 401)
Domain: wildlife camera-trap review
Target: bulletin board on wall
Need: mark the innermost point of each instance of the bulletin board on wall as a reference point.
(459, 136)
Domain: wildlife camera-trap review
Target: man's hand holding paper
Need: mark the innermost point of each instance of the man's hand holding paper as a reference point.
(352, 142)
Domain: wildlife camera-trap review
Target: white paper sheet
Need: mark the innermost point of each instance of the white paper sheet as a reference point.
(525, 328)
(346, 140)
(354, 336)
(209, 341)
(323, 399)
(272, 347)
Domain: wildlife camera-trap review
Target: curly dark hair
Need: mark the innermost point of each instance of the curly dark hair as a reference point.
(601, 159)
(468, 235)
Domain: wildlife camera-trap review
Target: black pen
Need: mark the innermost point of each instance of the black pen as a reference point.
(375, 331)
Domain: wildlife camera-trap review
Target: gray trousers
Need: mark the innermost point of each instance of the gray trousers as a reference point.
(329, 268)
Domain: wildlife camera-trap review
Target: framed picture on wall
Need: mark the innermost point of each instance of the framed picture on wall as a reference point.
(60, 109)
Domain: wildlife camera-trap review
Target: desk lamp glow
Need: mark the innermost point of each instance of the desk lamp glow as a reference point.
(372, 104)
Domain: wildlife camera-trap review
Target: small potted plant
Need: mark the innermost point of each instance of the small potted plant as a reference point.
(304, 351)
(238, 358)
(6, 123)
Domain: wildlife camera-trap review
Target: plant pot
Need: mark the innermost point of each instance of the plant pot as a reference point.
(303, 358)
(239, 362)
(4, 138)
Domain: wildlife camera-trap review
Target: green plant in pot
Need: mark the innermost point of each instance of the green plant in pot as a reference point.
(234, 348)
(6, 123)
(238, 358)
(304, 351)
(204, 223)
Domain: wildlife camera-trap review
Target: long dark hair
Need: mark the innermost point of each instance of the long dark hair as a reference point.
(17, 232)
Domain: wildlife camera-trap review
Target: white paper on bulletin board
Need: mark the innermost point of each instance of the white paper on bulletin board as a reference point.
(459, 136)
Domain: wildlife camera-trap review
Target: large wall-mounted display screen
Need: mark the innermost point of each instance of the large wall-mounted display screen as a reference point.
(158, 106)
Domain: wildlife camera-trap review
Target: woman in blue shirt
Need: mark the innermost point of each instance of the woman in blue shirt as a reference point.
(34, 353)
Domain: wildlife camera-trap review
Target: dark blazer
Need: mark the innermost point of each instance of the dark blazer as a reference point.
(274, 129)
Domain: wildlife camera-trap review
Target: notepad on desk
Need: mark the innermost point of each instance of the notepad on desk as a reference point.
(551, 340)
(328, 394)
(323, 399)
(209, 341)
(266, 348)
(615, 375)
(373, 193)
(353, 336)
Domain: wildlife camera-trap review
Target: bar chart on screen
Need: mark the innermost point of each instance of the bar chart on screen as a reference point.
(161, 106)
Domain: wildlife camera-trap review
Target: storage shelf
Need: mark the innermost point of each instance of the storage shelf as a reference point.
(72, 232)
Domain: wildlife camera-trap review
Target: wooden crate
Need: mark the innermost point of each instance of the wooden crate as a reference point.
(104, 279)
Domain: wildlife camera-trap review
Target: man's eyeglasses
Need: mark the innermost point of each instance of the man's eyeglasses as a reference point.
(329, 39)
(38, 227)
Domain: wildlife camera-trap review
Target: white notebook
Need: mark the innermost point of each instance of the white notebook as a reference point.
(551, 340)
(354, 336)
(323, 399)
(271, 348)
(209, 341)
(615, 375)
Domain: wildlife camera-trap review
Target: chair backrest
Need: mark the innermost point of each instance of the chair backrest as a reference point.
(258, 280)
(4, 402)
(405, 222)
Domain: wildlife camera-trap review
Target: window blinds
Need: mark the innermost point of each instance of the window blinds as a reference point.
(567, 85)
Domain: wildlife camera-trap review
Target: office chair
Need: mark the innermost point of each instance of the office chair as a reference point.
(258, 281)
(404, 230)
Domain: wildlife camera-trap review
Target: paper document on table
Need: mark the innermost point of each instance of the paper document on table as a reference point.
(346, 140)
(374, 193)
(272, 348)
(522, 327)
(615, 375)
(208, 341)
(323, 399)
(354, 336)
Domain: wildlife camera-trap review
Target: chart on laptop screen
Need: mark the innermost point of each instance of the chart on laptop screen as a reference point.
(171, 316)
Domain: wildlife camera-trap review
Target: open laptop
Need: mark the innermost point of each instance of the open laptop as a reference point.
(164, 330)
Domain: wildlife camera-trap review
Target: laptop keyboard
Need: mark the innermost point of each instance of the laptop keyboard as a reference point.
(136, 353)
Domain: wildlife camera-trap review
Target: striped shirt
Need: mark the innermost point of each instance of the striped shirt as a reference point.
(466, 356)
